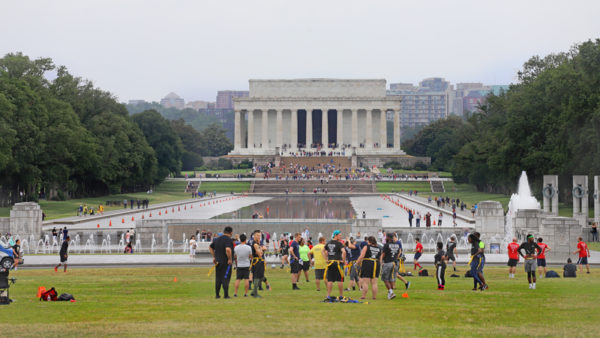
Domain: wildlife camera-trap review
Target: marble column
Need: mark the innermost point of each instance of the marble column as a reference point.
(369, 136)
(309, 128)
(396, 130)
(324, 128)
(383, 129)
(355, 128)
(237, 136)
(251, 141)
(294, 129)
(340, 128)
(279, 142)
(265, 129)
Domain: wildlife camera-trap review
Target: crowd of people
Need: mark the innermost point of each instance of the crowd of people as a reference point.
(363, 261)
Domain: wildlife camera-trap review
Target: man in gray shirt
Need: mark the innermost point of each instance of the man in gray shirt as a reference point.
(243, 255)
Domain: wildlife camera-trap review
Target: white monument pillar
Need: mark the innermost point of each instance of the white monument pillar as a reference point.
(244, 129)
(355, 128)
(340, 128)
(580, 199)
(265, 128)
(237, 135)
(294, 129)
(550, 194)
(324, 128)
(279, 141)
(383, 129)
(396, 130)
(369, 137)
(309, 128)
(251, 129)
(597, 199)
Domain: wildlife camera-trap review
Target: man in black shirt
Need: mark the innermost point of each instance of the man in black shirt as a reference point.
(530, 256)
(335, 255)
(440, 265)
(64, 254)
(221, 249)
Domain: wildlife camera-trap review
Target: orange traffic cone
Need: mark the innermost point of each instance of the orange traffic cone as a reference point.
(41, 290)
(185, 207)
(122, 220)
(132, 218)
(150, 215)
(191, 206)
(166, 211)
(110, 223)
(159, 213)
(142, 216)
(405, 295)
(433, 222)
(98, 225)
(175, 280)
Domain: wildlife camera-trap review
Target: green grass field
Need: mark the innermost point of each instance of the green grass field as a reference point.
(190, 173)
(147, 302)
(225, 186)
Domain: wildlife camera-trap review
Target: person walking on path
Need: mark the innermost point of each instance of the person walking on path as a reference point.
(584, 253)
(410, 218)
(221, 249)
(63, 254)
(193, 247)
(513, 257)
(530, 257)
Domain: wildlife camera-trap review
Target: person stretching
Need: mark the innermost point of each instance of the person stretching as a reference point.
(530, 256)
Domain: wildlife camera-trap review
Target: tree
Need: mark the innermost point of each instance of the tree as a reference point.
(163, 139)
(215, 141)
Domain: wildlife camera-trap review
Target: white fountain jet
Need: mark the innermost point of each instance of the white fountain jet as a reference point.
(523, 199)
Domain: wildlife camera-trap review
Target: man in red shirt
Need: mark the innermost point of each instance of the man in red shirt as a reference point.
(418, 253)
(541, 257)
(584, 253)
(513, 257)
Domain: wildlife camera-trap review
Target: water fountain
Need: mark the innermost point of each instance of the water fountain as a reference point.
(153, 244)
(105, 247)
(169, 244)
(523, 199)
(186, 245)
(138, 245)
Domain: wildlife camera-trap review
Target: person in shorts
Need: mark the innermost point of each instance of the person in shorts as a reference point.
(64, 254)
(318, 261)
(369, 272)
(451, 252)
(304, 250)
(541, 257)
(584, 252)
(258, 264)
(354, 269)
(243, 255)
(335, 256)
(295, 262)
(418, 253)
(530, 257)
(513, 257)
(388, 262)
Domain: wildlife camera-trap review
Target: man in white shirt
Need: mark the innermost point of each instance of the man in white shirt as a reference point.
(243, 255)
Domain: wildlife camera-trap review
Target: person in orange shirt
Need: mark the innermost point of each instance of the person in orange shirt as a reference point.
(418, 253)
(541, 257)
(513, 257)
(584, 253)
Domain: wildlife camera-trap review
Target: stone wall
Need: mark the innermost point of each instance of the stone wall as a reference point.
(489, 219)
(527, 221)
(4, 225)
(406, 161)
(560, 233)
(26, 219)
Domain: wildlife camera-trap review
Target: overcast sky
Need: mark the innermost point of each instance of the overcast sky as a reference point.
(146, 49)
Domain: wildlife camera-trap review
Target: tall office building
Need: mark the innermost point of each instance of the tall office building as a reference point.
(225, 98)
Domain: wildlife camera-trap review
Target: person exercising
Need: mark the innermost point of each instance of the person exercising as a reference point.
(530, 257)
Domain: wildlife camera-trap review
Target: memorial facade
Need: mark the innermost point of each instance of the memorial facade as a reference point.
(343, 117)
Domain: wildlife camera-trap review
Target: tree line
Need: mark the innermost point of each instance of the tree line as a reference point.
(63, 137)
(547, 123)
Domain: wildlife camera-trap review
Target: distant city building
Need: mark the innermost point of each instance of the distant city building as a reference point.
(136, 102)
(423, 104)
(196, 105)
(225, 98)
(172, 100)
(469, 96)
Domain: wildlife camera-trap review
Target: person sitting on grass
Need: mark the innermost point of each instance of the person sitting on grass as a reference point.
(570, 269)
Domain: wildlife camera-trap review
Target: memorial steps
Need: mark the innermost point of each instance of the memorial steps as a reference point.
(296, 186)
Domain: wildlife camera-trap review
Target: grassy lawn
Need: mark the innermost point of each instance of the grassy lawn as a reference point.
(407, 171)
(225, 186)
(147, 302)
(421, 187)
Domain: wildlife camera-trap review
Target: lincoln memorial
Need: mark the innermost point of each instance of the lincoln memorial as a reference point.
(329, 116)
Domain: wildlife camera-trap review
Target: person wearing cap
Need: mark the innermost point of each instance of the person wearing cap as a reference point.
(335, 255)
(530, 247)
